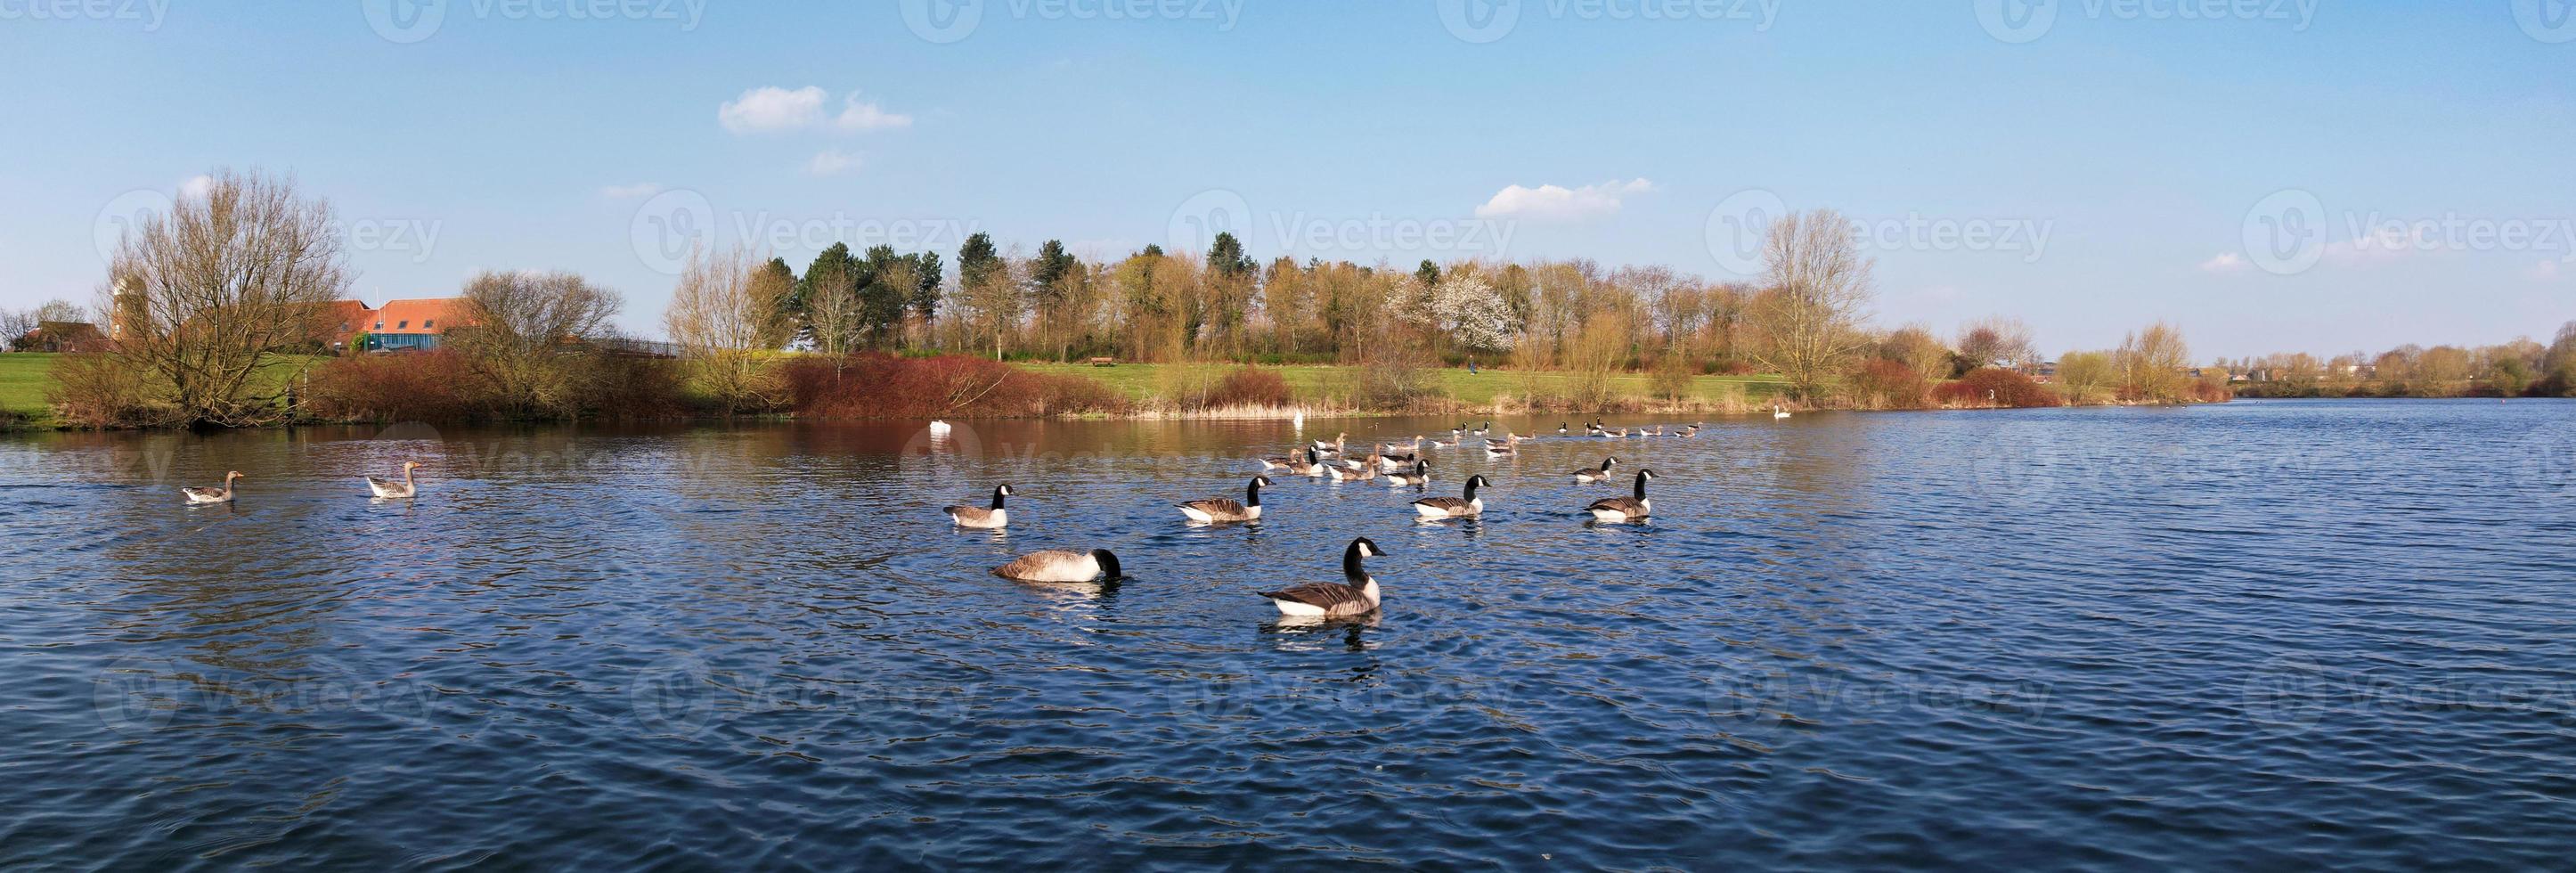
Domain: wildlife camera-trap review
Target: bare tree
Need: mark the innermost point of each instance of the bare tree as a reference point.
(1818, 293)
(724, 316)
(833, 308)
(2151, 364)
(523, 334)
(205, 297)
(1997, 338)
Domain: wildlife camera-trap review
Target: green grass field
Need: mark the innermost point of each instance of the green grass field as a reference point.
(1145, 381)
(23, 380)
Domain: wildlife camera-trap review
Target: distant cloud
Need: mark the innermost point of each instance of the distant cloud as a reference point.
(635, 191)
(1558, 203)
(832, 162)
(2228, 262)
(778, 110)
(2545, 271)
(197, 186)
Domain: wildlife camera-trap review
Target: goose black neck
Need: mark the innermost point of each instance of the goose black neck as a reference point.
(1351, 565)
(997, 498)
(1252, 493)
(1108, 564)
(1471, 487)
(1641, 485)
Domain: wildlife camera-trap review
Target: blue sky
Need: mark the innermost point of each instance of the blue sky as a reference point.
(2087, 165)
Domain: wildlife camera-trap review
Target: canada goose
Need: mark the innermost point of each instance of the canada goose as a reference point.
(1356, 594)
(1592, 428)
(1359, 471)
(392, 490)
(1480, 431)
(1779, 413)
(1589, 475)
(1310, 468)
(1687, 432)
(1218, 509)
(213, 495)
(1454, 507)
(980, 517)
(1334, 447)
(1560, 428)
(1061, 565)
(1617, 509)
(1500, 449)
(1420, 473)
(1283, 462)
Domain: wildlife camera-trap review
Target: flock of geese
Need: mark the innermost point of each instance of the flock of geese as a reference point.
(1397, 464)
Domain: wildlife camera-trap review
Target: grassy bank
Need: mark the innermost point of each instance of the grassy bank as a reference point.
(1324, 385)
(23, 382)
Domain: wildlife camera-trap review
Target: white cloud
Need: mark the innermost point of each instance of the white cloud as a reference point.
(859, 114)
(635, 191)
(2226, 262)
(772, 110)
(1554, 202)
(832, 162)
(778, 110)
(2545, 271)
(197, 186)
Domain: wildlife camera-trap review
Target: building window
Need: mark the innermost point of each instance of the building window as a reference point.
(404, 324)
(380, 324)
(425, 325)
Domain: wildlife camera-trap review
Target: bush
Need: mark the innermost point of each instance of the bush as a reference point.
(2006, 388)
(879, 385)
(429, 386)
(1881, 383)
(107, 390)
(632, 388)
(1250, 386)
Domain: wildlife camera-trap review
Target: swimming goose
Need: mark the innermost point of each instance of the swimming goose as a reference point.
(1520, 439)
(213, 495)
(1356, 594)
(1283, 462)
(392, 490)
(1502, 449)
(980, 517)
(939, 428)
(1454, 507)
(1420, 473)
(1589, 475)
(1779, 413)
(1560, 428)
(1480, 431)
(1656, 431)
(1614, 432)
(1592, 429)
(1061, 565)
(1618, 509)
(1687, 432)
(1218, 509)
(1355, 471)
(1310, 468)
(1404, 450)
(1450, 443)
(1334, 447)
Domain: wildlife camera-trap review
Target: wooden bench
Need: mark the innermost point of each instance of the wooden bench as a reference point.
(1103, 362)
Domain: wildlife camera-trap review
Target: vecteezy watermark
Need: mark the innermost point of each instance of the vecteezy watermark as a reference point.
(410, 21)
(1196, 222)
(2549, 21)
(149, 12)
(2291, 231)
(125, 214)
(1917, 232)
(1484, 21)
(948, 21)
(674, 223)
(1737, 226)
(2023, 21)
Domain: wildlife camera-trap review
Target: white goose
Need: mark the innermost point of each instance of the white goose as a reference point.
(392, 490)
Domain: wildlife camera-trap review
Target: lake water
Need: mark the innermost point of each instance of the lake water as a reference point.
(2256, 635)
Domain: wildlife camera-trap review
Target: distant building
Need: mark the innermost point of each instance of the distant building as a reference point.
(399, 325)
(63, 336)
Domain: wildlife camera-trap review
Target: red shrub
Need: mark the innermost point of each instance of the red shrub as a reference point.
(1250, 386)
(1884, 384)
(879, 385)
(2006, 387)
(425, 386)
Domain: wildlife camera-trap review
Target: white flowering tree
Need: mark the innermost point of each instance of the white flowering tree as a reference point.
(1468, 308)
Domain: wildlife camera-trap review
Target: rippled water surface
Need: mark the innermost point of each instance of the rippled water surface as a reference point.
(2257, 635)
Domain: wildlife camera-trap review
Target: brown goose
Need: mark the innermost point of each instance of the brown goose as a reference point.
(1601, 473)
(1334, 447)
(1619, 509)
(1311, 467)
(1218, 509)
(392, 490)
(980, 517)
(213, 495)
(1356, 594)
(1362, 472)
(1060, 565)
(1454, 507)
